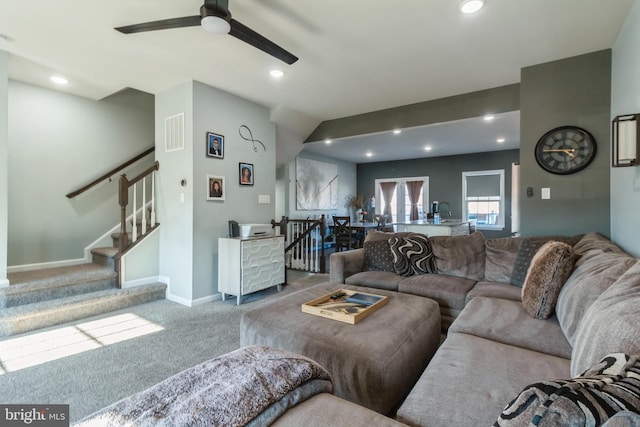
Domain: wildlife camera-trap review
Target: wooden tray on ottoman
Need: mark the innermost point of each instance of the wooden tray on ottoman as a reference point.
(341, 310)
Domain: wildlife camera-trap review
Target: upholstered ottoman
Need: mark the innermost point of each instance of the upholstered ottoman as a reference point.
(374, 363)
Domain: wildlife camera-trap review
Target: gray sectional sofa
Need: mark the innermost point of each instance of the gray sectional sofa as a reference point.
(493, 347)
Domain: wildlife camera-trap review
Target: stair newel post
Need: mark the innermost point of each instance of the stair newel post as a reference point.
(144, 204)
(123, 200)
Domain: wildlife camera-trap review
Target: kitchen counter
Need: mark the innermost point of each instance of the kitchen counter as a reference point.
(446, 227)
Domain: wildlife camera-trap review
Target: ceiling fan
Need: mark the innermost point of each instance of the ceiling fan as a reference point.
(215, 18)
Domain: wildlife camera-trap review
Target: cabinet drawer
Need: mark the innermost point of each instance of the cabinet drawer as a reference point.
(262, 277)
(262, 252)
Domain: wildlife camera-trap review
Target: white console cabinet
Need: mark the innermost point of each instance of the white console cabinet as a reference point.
(247, 265)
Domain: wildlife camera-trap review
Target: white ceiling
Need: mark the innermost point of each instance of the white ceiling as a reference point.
(356, 56)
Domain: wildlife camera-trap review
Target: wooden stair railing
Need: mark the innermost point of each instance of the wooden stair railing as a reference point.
(147, 207)
(112, 172)
(305, 240)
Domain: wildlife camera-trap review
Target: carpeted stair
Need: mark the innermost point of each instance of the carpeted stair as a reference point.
(39, 298)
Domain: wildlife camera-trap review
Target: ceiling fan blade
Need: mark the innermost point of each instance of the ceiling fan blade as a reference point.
(186, 21)
(247, 35)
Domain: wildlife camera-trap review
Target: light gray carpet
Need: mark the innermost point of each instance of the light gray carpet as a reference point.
(96, 378)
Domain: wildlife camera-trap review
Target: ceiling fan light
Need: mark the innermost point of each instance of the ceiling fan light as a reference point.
(215, 25)
(471, 6)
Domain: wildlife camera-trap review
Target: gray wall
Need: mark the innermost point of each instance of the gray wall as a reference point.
(346, 186)
(58, 143)
(573, 91)
(4, 164)
(445, 177)
(625, 99)
(190, 230)
(175, 203)
(223, 113)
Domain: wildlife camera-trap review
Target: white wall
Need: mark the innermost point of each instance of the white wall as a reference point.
(58, 143)
(625, 99)
(4, 164)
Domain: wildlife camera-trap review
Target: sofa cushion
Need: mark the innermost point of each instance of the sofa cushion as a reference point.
(611, 322)
(500, 258)
(378, 256)
(594, 272)
(412, 255)
(549, 269)
(461, 256)
(470, 379)
(609, 387)
(375, 279)
(495, 290)
(526, 251)
(595, 242)
(506, 321)
(448, 291)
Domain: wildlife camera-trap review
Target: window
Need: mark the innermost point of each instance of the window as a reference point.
(483, 198)
(400, 202)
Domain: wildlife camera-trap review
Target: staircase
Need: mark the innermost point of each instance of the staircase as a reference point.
(41, 298)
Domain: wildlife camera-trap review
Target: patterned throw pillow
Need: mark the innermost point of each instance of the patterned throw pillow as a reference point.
(526, 252)
(549, 270)
(378, 256)
(609, 387)
(412, 255)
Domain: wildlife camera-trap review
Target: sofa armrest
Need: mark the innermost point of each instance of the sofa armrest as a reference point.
(345, 264)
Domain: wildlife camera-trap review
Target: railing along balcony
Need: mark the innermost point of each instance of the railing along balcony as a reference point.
(305, 240)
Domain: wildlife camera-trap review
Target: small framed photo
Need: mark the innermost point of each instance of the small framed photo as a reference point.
(246, 174)
(215, 145)
(215, 187)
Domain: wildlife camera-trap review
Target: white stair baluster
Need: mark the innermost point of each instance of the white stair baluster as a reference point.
(153, 199)
(134, 232)
(144, 205)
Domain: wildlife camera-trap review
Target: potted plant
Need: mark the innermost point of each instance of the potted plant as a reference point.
(357, 204)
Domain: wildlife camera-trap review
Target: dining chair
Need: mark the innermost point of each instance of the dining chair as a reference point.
(381, 221)
(344, 235)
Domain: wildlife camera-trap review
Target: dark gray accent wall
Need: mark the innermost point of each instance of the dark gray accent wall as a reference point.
(474, 104)
(445, 177)
(572, 91)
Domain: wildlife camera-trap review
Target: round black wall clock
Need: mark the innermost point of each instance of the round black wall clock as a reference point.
(565, 150)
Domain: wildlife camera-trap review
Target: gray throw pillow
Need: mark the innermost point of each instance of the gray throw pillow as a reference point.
(549, 270)
(526, 251)
(607, 388)
(378, 256)
(412, 255)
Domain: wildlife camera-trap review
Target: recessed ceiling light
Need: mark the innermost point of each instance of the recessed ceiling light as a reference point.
(500, 140)
(369, 154)
(397, 131)
(489, 118)
(276, 73)
(427, 148)
(327, 141)
(471, 6)
(59, 80)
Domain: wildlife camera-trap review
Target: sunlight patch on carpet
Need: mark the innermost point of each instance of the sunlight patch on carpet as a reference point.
(31, 350)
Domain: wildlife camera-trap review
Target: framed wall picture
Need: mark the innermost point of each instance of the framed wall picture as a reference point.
(246, 174)
(215, 187)
(215, 145)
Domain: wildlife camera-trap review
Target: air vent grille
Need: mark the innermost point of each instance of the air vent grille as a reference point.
(174, 133)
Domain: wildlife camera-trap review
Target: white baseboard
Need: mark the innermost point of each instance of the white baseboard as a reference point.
(4, 283)
(144, 281)
(193, 303)
(43, 265)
